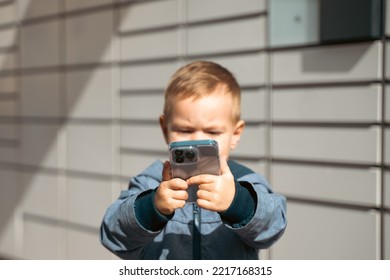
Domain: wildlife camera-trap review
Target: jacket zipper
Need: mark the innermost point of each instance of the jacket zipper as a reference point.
(196, 242)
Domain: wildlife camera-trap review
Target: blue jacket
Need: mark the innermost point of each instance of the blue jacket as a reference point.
(133, 229)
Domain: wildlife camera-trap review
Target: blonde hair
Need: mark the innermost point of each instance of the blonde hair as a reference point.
(199, 79)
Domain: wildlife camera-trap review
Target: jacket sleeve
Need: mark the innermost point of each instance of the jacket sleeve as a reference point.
(120, 232)
(269, 220)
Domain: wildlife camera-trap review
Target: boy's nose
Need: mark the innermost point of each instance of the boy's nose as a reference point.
(198, 135)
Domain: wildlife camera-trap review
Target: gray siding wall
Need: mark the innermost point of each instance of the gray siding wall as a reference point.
(81, 87)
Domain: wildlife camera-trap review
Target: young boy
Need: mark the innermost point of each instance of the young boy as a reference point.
(235, 214)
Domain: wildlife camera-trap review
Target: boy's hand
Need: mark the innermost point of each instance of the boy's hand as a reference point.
(171, 194)
(215, 193)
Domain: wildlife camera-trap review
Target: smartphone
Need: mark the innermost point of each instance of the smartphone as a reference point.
(190, 158)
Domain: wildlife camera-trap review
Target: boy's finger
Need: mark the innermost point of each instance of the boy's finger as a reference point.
(166, 172)
(224, 165)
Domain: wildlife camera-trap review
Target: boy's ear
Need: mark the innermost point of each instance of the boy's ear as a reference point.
(164, 127)
(238, 130)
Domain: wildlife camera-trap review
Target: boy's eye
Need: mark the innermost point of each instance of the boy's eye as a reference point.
(212, 132)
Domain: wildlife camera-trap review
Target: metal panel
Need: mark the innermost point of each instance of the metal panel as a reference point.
(88, 93)
(326, 144)
(336, 63)
(38, 37)
(89, 38)
(202, 10)
(321, 233)
(150, 14)
(249, 34)
(330, 104)
(328, 183)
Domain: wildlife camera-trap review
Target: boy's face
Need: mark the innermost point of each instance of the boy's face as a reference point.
(209, 117)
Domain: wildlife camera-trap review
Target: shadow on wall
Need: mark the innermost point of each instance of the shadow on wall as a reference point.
(334, 59)
(48, 65)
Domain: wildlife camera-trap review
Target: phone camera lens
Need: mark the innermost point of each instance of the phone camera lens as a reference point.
(178, 152)
(179, 159)
(190, 155)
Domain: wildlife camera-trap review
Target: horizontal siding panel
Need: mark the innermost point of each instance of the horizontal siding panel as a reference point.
(336, 63)
(150, 14)
(343, 229)
(253, 105)
(71, 5)
(357, 145)
(148, 76)
(143, 137)
(387, 103)
(98, 193)
(328, 104)
(88, 93)
(249, 34)
(41, 195)
(44, 88)
(8, 61)
(335, 184)
(28, 9)
(252, 143)
(161, 44)
(90, 244)
(387, 145)
(9, 193)
(89, 148)
(89, 38)
(39, 145)
(249, 69)
(387, 237)
(8, 37)
(8, 84)
(41, 241)
(9, 154)
(40, 44)
(8, 108)
(8, 13)
(201, 10)
(142, 106)
(133, 163)
(8, 132)
(387, 190)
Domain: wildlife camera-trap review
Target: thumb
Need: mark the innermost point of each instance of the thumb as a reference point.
(166, 172)
(224, 165)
